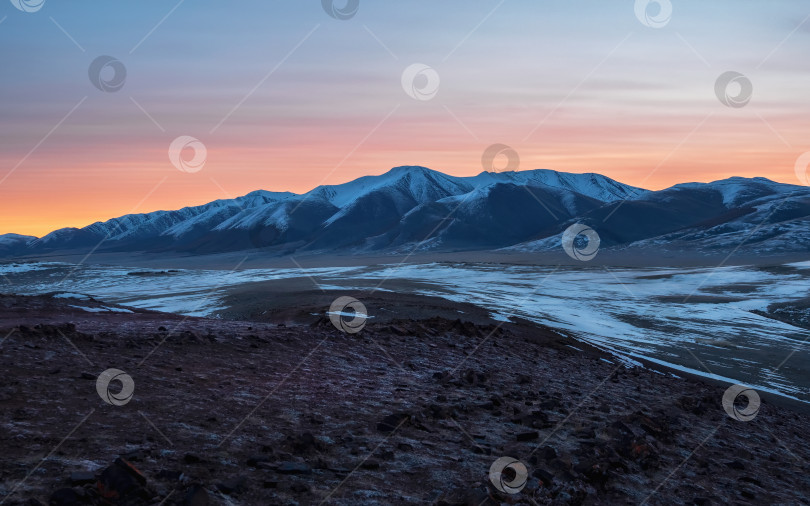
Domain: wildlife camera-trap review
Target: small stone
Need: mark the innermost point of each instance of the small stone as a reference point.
(370, 464)
(196, 496)
(232, 485)
(293, 468)
(752, 480)
(168, 475)
(120, 481)
(132, 470)
(135, 455)
(190, 458)
(304, 442)
(548, 453)
(82, 478)
(254, 460)
(392, 422)
(299, 487)
(64, 497)
(544, 476)
(441, 376)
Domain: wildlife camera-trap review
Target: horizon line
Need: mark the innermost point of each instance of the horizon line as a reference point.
(104, 220)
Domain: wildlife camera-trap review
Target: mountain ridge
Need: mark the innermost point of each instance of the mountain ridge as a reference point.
(408, 205)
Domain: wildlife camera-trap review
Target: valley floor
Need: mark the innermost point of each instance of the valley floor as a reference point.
(414, 409)
(260, 259)
(736, 324)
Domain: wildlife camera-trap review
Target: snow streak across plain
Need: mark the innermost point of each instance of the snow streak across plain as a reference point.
(701, 320)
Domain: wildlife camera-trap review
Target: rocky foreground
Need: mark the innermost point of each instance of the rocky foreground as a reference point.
(404, 412)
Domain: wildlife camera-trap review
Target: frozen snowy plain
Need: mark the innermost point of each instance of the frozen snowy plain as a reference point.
(698, 320)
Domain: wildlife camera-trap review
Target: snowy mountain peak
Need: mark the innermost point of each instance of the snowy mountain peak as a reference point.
(410, 169)
(268, 194)
(735, 190)
(414, 180)
(589, 184)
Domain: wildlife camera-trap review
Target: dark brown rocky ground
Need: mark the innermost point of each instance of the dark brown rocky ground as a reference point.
(408, 411)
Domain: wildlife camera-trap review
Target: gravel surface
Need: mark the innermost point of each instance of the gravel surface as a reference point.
(407, 411)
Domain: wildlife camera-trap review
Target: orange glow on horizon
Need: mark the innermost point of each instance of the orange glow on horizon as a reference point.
(74, 180)
(77, 196)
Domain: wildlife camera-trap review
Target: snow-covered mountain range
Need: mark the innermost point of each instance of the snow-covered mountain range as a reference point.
(417, 208)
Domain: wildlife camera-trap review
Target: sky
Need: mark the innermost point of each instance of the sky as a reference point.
(199, 100)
